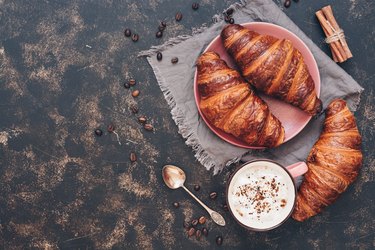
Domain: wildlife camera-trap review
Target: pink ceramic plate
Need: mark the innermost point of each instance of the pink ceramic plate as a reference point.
(292, 118)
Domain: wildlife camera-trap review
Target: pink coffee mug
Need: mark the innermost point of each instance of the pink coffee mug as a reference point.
(261, 194)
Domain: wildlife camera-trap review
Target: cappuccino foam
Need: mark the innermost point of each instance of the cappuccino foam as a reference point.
(261, 195)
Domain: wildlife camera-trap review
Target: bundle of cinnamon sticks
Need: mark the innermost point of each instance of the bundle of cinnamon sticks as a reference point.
(335, 35)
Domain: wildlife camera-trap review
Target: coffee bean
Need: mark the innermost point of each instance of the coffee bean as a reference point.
(176, 204)
(159, 56)
(133, 157)
(142, 119)
(229, 12)
(191, 231)
(134, 109)
(287, 3)
(110, 128)
(132, 82)
(227, 18)
(178, 16)
(135, 37)
(98, 132)
(161, 28)
(219, 240)
(194, 222)
(148, 127)
(197, 187)
(195, 6)
(202, 220)
(159, 34)
(205, 231)
(231, 21)
(198, 234)
(135, 93)
(186, 225)
(163, 23)
(174, 60)
(213, 195)
(225, 207)
(126, 85)
(127, 32)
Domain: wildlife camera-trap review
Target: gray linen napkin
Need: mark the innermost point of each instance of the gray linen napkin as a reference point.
(176, 82)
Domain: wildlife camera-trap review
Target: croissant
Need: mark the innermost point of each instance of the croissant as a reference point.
(230, 105)
(272, 66)
(333, 162)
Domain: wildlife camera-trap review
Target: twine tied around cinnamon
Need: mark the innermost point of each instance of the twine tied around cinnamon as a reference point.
(338, 35)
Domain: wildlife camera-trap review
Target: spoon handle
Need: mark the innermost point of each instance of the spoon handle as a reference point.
(215, 216)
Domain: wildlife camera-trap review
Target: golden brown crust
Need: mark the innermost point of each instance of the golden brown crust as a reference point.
(333, 162)
(273, 66)
(230, 105)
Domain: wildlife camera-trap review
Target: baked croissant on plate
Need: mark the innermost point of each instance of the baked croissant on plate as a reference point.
(334, 162)
(230, 105)
(272, 66)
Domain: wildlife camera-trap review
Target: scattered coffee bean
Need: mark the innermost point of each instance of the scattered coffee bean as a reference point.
(159, 56)
(219, 240)
(227, 18)
(225, 207)
(229, 12)
(186, 224)
(287, 3)
(178, 16)
(127, 32)
(197, 187)
(132, 82)
(135, 37)
(231, 21)
(98, 132)
(194, 222)
(133, 157)
(202, 220)
(198, 234)
(142, 119)
(135, 93)
(126, 85)
(148, 127)
(174, 60)
(134, 109)
(176, 204)
(205, 231)
(213, 195)
(159, 34)
(191, 231)
(163, 23)
(195, 6)
(110, 128)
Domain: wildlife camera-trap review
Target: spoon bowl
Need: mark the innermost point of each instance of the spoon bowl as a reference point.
(173, 176)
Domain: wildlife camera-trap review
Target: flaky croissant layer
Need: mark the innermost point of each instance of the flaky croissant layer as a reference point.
(230, 105)
(273, 66)
(333, 162)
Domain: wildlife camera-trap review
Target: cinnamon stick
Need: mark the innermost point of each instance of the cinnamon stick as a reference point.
(327, 10)
(335, 46)
(335, 37)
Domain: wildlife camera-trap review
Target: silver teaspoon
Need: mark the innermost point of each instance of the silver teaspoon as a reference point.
(174, 177)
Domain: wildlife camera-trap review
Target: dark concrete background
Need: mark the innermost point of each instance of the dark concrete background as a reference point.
(62, 187)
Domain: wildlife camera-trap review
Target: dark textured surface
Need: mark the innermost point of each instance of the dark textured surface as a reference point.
(62, 187)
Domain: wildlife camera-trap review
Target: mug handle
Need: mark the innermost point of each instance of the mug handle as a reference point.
(297, 169)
